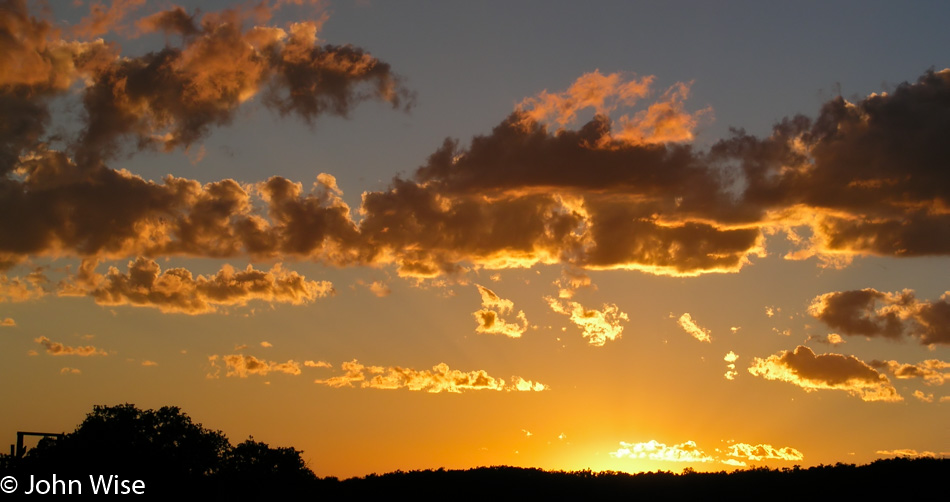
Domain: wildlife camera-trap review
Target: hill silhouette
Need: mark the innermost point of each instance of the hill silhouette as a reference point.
(173, 456)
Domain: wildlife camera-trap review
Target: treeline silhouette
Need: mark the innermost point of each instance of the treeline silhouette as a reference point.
(174, 456)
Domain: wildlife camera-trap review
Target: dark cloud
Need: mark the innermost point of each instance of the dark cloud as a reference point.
(861, 178)
(811, 372)
(873, 313)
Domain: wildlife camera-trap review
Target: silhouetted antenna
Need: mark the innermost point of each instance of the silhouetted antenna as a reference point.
(21, 450)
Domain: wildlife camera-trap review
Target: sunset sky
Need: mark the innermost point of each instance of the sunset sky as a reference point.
(408, 235)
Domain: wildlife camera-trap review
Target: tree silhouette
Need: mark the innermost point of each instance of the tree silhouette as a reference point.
(170, 452)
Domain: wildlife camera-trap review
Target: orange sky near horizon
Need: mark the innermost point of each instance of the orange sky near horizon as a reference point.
(352, 229)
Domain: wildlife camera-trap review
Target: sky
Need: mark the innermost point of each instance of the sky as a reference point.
(627, 236)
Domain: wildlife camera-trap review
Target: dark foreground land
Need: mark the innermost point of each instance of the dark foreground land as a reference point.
(158, 454)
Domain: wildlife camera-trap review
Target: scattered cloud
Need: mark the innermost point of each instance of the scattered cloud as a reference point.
(598, 326)
(489, 318)
(15, 289)
(872, 313)
(686, 322)
(653, 450)
(379, 289)
(177, 291)
(70, 371)
(731, 359)
(149, 363)
(440, 379)
(931, 371)
(266, 344)
(906, 452)
(317, 364)
(811, 372)
(58, 349)
(927, 398)
(736, 455)
(239, 365)
(761, 452)
(8, 322)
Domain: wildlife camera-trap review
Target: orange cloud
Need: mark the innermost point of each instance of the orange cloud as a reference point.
(58, 349)
(684, 452)
(811, 372)
(931, 371)
(869, 312)
(489, 317)
(104, 19)
(440, 379)
(761, 452)
(239, 365)
(686, 322)
(598, 326)
(907, 452)
(176, 290)
(17, 290)
(731, 372)
(8, 322)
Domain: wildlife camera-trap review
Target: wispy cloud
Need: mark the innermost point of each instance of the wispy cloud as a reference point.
(489, 318)
(59, 349)
(440, 379)
(598, 326)
(177, 291)
(689, 325)
(239, 365)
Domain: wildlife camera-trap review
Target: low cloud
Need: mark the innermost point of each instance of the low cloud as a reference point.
(872, 313)
(927, 398)
(736, 455)
(686, 322)
(761, 452)
(59, 349)
(812, 372)
(908, 453)
(598, 326)
(16, 289)
(731, 359)
(931, 371)
(489, 318)
(239, 365)
(440, 379)
(176, 290)
(653, 450)
(8, 322)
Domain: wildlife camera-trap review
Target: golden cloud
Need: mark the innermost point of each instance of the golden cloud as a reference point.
(59, 349)
(176, 290)
(440, 379)
(811, 372)
(873, 313)
(687, 451)
(239, 365)
(686, 322)
(489, 317)
(931, 371)
(598, 326)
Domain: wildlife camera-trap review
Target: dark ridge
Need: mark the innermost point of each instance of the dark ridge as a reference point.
(172, 455)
